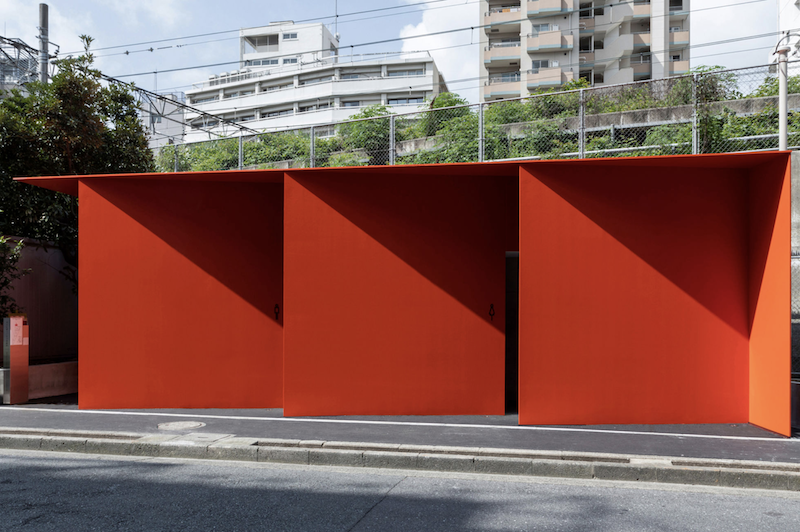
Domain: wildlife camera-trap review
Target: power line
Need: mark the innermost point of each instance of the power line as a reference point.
(442, 32)
(296, 22)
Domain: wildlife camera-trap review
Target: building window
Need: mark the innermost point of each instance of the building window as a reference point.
(289, 36)
(206, 99)
(263, 43)
(540, 27)
(246, 118)
(350, 76)
(290, 60)
(538, 64)
(676, 57)
(155, 119)
(210, 123)
(350, 104)
(285, 112)
(404, 101)
(261, 62)
(406, 73)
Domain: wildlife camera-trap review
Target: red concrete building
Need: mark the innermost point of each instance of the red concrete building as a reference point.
(651, 290)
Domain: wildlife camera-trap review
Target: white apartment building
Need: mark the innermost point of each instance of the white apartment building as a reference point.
(529, 45)
(292, 75)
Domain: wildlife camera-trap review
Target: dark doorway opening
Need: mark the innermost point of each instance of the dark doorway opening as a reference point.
(512, 331)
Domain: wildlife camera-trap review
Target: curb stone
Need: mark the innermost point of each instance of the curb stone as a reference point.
(604, 466)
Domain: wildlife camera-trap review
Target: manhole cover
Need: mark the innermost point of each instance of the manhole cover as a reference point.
(181, 425)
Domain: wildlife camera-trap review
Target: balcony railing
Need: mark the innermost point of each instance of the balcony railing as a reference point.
(548, 77)
(505, 78)
(548, 41)
(330, 61)
(548, 8)
(679, 37)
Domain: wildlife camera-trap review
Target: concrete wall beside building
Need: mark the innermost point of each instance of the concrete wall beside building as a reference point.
(529, 45)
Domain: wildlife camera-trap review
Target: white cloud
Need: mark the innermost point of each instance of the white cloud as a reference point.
(164, 13)
(456, 53)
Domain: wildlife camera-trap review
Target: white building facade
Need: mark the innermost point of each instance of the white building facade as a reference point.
(292, 75)
(529, 45)
(788, 17)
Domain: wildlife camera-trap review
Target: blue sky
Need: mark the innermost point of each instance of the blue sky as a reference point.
(127, 22)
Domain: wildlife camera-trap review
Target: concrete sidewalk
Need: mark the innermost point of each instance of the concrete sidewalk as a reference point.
(717, 455)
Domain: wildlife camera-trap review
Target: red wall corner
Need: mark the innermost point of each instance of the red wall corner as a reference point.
(770, 296)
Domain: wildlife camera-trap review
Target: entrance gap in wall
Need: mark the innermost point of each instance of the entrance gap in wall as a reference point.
(512, 331)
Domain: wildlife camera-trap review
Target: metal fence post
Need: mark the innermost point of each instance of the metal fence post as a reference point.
(391, 140)
(695, 103)
(241, 151)
(312, 154)
(481, 147)
(783, 113)
(582, 125)
(175, 149)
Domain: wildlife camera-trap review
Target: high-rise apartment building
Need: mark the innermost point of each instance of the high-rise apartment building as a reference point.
(292, 75)
(529, 45)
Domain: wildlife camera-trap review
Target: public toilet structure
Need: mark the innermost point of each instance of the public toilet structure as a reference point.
(651, 290)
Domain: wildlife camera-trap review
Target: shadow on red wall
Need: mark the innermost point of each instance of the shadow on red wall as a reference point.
(452, 229)
(197, 271)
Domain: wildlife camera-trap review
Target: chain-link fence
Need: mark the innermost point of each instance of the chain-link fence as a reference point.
(704, 112)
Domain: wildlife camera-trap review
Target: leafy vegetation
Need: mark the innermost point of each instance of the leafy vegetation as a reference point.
(73, 125)
(545, 125)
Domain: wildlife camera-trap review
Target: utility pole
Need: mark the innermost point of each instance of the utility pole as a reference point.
(44, 38)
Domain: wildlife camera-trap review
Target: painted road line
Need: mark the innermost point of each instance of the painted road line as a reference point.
(406, 424)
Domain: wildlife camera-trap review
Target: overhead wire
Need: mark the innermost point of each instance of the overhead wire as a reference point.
(431, 34)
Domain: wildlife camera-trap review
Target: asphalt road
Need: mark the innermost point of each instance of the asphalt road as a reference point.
(729, 442)
(59, 492)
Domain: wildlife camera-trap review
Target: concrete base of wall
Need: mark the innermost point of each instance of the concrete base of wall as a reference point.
(49, 380)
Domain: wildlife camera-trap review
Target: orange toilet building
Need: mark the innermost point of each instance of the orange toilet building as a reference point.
(651, 290)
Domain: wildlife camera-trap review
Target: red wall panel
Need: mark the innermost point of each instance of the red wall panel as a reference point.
(178, 283)
(633, 295)
(770, 290)
(389, 281)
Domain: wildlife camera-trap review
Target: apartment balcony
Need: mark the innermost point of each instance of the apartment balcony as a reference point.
(615, 49)
(641, 40)
(502, 20)
(586, 25)
(641, 11)
(586, 58)
(676, 68)
(679, 39)
(678, 10)
(505, 86)
(547, 77)
(548, 8)
(547, 41)
(502, 54)
(641, 71)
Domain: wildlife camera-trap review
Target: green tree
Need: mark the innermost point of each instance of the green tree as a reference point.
(370, 135)
(76, 125)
